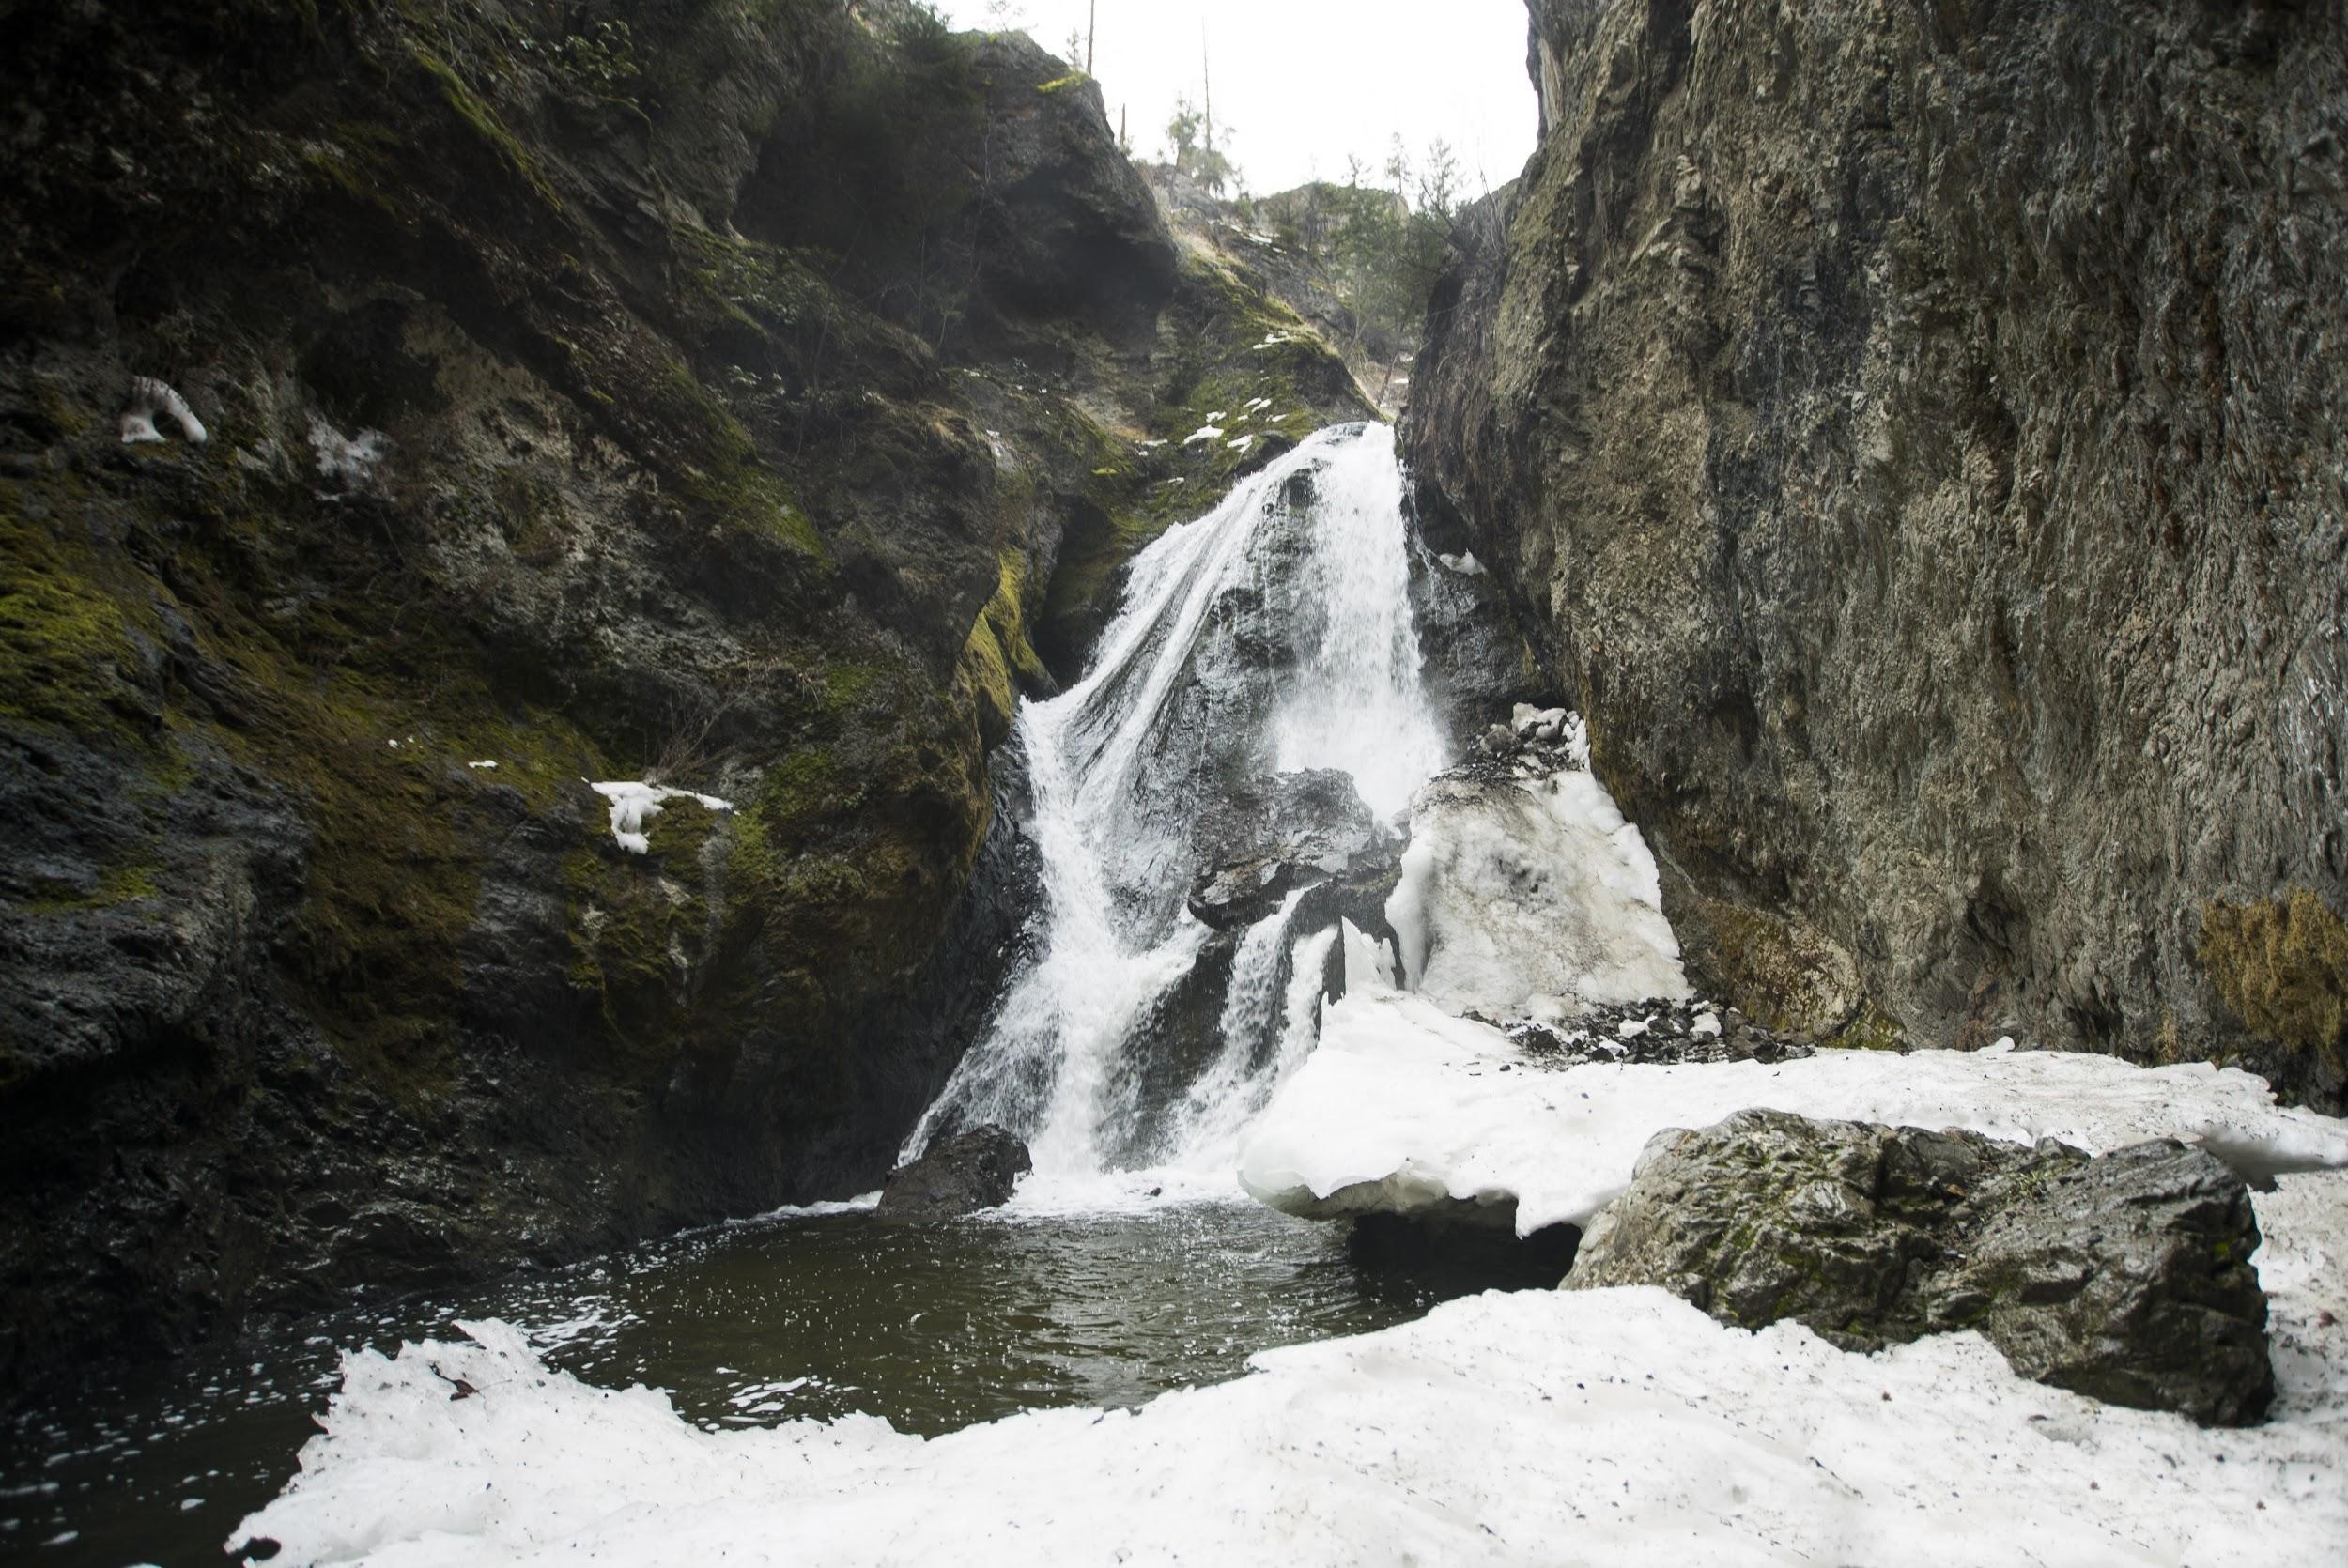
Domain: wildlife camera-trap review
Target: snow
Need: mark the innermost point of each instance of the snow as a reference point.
(634, 804)
(1464, 564)
(1534, 897)
(1204, 433)
(1241, 444)
(151, 397)
(1610, 1426)
(485, 765)
(1404, 1108)
(348, 461)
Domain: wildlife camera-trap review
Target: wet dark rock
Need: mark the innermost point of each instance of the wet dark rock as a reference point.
(2127, 1277)
(957, 1176)
(1653, 1032)
(1778, 399)
(1295, 830)
(1074, 228)
(731, 436)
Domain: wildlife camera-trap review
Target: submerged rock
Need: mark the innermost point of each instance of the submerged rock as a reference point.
(2124, 1276)
(958, 1175)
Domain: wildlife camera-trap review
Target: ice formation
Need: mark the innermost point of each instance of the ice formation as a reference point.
(1531, 897)
(151, 397)
(634, 804)
(1404, 1108)
(1609, 1426)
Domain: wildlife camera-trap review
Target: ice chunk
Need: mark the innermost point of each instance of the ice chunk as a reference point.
(1516, 890)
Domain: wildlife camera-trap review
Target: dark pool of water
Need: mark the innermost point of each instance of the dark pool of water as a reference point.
(933, 1327)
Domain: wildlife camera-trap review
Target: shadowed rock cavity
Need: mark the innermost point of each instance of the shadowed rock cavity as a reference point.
(2127, 1277)
(1468, 1242)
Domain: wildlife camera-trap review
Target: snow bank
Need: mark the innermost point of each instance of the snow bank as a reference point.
(1405, 1108)
(634, 804)
(1614, 1426)
(1531, 897)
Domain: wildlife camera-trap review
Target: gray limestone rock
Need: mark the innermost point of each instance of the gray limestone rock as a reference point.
(1900, 433)
(2127, 1277)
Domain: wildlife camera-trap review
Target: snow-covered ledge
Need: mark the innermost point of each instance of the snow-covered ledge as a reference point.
(1404, 1109)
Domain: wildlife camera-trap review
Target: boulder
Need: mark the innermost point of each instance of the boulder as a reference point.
(958, 1175)
(2127, 1277)
(1308, 829)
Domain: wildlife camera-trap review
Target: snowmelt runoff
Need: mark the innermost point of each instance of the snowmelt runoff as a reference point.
(1615, 1426)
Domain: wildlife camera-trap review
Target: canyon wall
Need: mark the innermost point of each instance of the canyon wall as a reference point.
(709, 391)
(1913, 435)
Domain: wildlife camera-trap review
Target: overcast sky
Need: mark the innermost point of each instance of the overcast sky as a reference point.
(1303, 83)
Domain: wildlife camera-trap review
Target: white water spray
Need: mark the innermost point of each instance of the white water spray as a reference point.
(1272, 635)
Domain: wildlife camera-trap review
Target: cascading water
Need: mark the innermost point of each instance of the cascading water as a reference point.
(1272, 635)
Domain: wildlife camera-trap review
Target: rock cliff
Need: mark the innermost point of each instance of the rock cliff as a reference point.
(706, 392)
(1912, 435)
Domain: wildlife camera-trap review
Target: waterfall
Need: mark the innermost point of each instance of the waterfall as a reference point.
(1272, 635)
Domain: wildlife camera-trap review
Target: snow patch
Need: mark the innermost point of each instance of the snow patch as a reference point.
(348, 461)
(1404, 1108)
(1204, 433)
(634, 804)
(1464, 564)
(1618, 1426)
(151, 397)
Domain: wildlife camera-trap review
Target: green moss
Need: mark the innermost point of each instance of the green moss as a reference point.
(1061, 84)
(2281, 965)
(997, 659)
(1873, 1029)
(477, 112)
(743, 284)
(67, 659)
(722, 474)
(117, 884)
(846, 686)
(360, 161)
(640, 924)
(1784, 977)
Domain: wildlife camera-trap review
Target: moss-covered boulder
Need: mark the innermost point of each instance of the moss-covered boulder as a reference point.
(2127, 1277)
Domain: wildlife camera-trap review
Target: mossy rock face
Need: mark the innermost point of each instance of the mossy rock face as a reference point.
(2281, 965)
(2125, 1277)
(697, 457)
(1774, 970)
